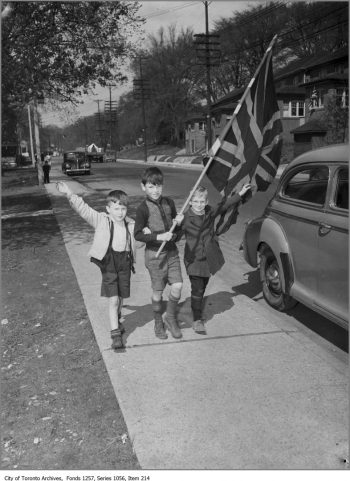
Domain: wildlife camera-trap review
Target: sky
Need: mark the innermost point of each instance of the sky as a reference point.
(159, 14)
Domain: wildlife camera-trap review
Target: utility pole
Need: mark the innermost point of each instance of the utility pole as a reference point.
(99, 130)
(111, 110)
(141, 92)
(37, 143)
(208, 53)
(31, 136)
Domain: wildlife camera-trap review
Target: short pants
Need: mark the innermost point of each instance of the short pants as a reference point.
(116, 275)
(165, 269)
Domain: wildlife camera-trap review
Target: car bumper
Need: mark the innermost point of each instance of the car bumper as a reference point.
(77, 170)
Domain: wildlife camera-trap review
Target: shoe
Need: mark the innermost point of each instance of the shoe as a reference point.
(159, 330)
(199, 327)
(117, 341)
(174, 329)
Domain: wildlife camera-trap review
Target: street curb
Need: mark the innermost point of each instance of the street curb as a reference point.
(171, 163)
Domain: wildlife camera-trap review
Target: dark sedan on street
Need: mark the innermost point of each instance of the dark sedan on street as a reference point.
(75, 162)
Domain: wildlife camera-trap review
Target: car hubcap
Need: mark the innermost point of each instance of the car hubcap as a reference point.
(273, 278)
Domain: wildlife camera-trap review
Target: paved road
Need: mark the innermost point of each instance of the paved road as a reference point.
(261, 391)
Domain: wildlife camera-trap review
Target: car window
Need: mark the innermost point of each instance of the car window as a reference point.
(308, 185)
(342, 190)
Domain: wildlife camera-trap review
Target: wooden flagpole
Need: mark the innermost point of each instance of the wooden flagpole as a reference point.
(217, 143)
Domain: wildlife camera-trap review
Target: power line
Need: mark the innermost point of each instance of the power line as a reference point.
(179, 7)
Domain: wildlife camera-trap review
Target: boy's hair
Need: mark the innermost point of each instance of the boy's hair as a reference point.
(117, 196)
(200, 191)
(153, 175)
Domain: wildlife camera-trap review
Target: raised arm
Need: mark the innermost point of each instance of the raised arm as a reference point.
(89, 214)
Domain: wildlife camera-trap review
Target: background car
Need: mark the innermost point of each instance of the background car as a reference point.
(95, 157)
(9, 156)
(301, 241)
(75, 162)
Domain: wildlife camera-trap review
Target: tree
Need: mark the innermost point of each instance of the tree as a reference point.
(60, 50)
(172, 75)
(303, 29)
(336, 117)
(315, 28)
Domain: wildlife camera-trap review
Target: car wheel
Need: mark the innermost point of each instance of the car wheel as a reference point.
(271, 282)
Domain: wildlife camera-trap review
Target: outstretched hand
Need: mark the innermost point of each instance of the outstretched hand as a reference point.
(63, 188)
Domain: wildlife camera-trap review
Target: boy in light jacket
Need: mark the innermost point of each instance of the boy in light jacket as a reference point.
(113, 251)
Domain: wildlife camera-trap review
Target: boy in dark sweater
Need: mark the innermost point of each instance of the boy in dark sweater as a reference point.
(154, 218)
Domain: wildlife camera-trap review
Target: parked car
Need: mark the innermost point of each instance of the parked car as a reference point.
(301, 241)
(95, 157)
(110, 156)
(9, 156)
(75, 162)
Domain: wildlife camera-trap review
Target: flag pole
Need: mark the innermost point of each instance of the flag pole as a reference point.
(217, 142)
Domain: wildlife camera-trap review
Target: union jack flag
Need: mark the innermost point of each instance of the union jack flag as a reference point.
(313, 99)
(249, 148)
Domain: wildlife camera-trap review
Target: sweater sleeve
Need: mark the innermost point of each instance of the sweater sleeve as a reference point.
(141, 222)
(90, 215)
(223, 207)
(177, 230)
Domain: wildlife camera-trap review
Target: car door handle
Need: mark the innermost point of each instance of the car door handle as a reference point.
(324, 228)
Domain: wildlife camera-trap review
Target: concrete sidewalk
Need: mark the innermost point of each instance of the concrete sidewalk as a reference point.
(250, 395)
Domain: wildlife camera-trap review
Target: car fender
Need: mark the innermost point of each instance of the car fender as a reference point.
(251, 239)
(272, 235)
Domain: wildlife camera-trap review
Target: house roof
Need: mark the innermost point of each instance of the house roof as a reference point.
(195, 116)
(229, 101)
(303, 64)
(311, 126)
(332, 77)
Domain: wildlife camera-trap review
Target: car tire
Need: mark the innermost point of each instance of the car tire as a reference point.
(271, 282)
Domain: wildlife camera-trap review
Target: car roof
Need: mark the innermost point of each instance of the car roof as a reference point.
(331, 153)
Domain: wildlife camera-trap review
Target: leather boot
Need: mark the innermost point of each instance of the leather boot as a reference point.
(170, 317)
(117, 340)
(159, 330)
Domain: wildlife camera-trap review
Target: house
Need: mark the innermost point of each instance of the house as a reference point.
(195, 133)
(323, 80)
(303, 88)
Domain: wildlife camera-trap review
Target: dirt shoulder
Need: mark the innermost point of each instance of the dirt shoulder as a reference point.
(58, 407)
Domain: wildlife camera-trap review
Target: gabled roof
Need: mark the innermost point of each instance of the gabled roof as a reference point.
(230, 100)
(303, 64)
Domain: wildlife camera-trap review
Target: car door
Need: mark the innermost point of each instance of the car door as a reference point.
(333, 249)
(302, 201)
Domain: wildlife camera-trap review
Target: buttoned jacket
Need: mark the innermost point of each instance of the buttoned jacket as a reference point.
(100, 221)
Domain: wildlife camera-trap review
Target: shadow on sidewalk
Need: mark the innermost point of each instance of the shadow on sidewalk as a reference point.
(214, 304)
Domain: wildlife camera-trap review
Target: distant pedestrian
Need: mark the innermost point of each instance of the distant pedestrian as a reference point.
(203, 256)
(46, 169)
(113, 251)
(154, 218)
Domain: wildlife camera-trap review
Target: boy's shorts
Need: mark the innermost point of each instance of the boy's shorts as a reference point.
(116, 276)
(165, 269)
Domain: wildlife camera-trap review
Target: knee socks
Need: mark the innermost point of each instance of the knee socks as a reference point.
(171, 307)
(157, 310)
(196, 305)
